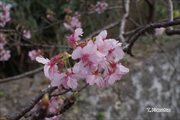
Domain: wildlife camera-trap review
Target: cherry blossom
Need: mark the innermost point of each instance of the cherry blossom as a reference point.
(27, 34)
(34, 53)
(68, 79)
(101, 7)
(54, 104)
(115, 73)
(87, 54)
(4, 13)
(72, 39)
(97, 61)
(50, 67)
(4, 55)
(72, 23)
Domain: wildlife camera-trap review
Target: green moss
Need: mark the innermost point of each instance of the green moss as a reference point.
(100, 116)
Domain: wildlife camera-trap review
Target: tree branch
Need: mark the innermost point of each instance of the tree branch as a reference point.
(136, 35)
(17, 77)
(170, 10)
(173, 32)
(33, 103)
(124, 19)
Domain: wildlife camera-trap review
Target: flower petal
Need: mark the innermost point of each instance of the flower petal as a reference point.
(77, 53)
(42, 60)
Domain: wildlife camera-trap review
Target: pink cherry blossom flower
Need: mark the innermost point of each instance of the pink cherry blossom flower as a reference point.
(73, 23)
(101, 7)
(5, 55)
(115, 52)
(88, 54)
(50, 67)
(68, 79)
(116, 73)
(109, 47)
(4, 13)
(27, 34)
(54, 104)
(34, 53)
(94, 78)
(102, 45)
(72, 39)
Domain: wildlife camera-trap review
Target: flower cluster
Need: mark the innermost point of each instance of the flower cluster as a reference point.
(34, 53)
(4, 54)
(97, 62)
(73, 22)
(101, 7)
(4, 13)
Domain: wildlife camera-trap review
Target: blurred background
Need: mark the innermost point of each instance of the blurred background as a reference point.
(41, 28)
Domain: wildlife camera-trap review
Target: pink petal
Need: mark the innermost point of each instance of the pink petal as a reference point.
(72, 83)
(68, 27)
(112, 79)
(123, 69)
(77, 53)
(46, 71)
(118, 53)
(78, 32)
(90, 79)
(57, 79)
(103, 34)
(90, 48)
(42, 60)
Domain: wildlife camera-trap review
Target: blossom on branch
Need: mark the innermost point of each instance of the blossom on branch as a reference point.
(96, 61)
(101, 7)
(4, 13)
(75, 37)
(4, 55)
(34, 53)
(71, 23)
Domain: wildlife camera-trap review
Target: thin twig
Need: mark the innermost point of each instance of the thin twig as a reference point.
(17, 77)
(109, 26)
(109, 8)
(40, 45)
(61, 93)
